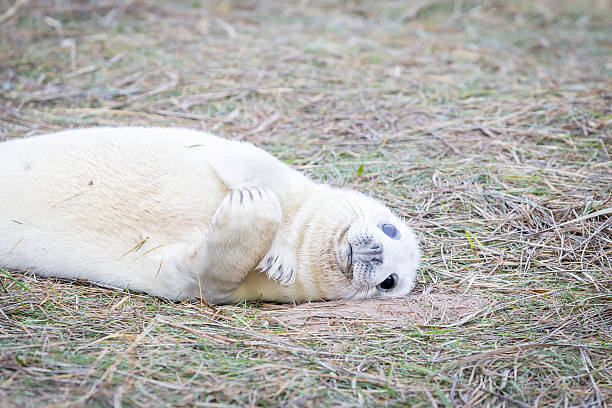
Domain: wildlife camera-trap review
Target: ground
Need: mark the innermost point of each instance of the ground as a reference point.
(486, 124)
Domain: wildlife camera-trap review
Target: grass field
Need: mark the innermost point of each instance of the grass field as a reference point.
(487, 124)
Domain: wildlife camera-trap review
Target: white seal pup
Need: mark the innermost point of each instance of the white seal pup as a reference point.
(180, 213)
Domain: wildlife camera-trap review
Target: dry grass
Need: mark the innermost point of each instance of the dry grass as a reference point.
(486, 123)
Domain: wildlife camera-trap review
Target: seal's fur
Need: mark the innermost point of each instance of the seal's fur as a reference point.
(180, 214)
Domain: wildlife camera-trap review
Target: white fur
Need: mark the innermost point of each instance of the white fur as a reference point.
(173, 212)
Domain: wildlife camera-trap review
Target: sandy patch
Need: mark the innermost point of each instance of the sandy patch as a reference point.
(439, 309)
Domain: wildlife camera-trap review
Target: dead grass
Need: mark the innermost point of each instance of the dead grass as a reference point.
(486, 123)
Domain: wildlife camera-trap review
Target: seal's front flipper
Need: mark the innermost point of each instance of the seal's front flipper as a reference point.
(280, 262)
(241, 232)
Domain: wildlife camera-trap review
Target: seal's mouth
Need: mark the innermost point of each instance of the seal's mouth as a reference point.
(345, 254)
(349, 262)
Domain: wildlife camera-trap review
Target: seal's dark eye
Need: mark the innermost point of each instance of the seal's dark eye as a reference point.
(389, 230)
(388, 283)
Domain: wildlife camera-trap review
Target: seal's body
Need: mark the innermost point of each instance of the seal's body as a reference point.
(179, 214)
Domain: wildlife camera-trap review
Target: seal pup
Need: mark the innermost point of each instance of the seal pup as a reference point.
(180, 213)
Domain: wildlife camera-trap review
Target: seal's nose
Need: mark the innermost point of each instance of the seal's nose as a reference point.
(371, 252)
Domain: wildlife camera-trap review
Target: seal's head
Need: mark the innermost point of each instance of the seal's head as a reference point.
(346, 245)
(373, 252)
